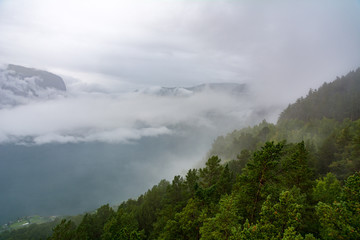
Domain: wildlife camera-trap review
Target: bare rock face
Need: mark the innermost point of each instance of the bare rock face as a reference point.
(19, 85)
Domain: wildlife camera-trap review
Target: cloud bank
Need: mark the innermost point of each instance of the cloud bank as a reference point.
(121, 118)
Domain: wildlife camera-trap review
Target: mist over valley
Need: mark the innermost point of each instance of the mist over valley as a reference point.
(78, 148)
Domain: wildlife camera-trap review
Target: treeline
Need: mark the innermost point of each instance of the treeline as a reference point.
(327, 120)
(338, 100)
(333, 146)
(275, 196)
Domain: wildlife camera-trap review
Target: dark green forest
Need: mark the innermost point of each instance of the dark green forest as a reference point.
(297, 179)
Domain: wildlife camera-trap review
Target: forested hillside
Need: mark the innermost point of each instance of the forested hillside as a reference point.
(338, 100)
(297, 179)
(333, 146)
(327, 120)
(275, 196)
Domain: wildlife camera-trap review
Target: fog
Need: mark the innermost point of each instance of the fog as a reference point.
(75, 151)
(111, 136)
(123, 117)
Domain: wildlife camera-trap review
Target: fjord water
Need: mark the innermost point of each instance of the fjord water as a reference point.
(60, 179)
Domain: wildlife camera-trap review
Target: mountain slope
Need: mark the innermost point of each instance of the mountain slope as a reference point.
(45, 79)
(327, 120)
(234, 89)
(339, 99)
(20, 84)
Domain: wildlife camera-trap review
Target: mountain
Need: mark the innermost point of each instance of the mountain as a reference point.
(44, 79)
(226, 88)
(339, 99)
(327, 120)
(18, 84)
(234, 88)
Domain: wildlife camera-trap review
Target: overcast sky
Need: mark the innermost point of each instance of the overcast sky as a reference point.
(282, 46)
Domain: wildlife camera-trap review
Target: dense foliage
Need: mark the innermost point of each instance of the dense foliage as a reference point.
(327, 120)
(333, 146)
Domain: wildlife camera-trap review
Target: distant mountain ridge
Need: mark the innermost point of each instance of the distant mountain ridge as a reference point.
(18, 84)
(45, 79)
(228, 88)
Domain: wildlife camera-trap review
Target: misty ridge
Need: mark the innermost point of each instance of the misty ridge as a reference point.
(56, 113)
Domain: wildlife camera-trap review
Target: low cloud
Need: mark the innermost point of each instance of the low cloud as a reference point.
(122, 118)
(111, 136)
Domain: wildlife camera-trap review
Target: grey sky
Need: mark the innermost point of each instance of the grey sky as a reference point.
(289, 46)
